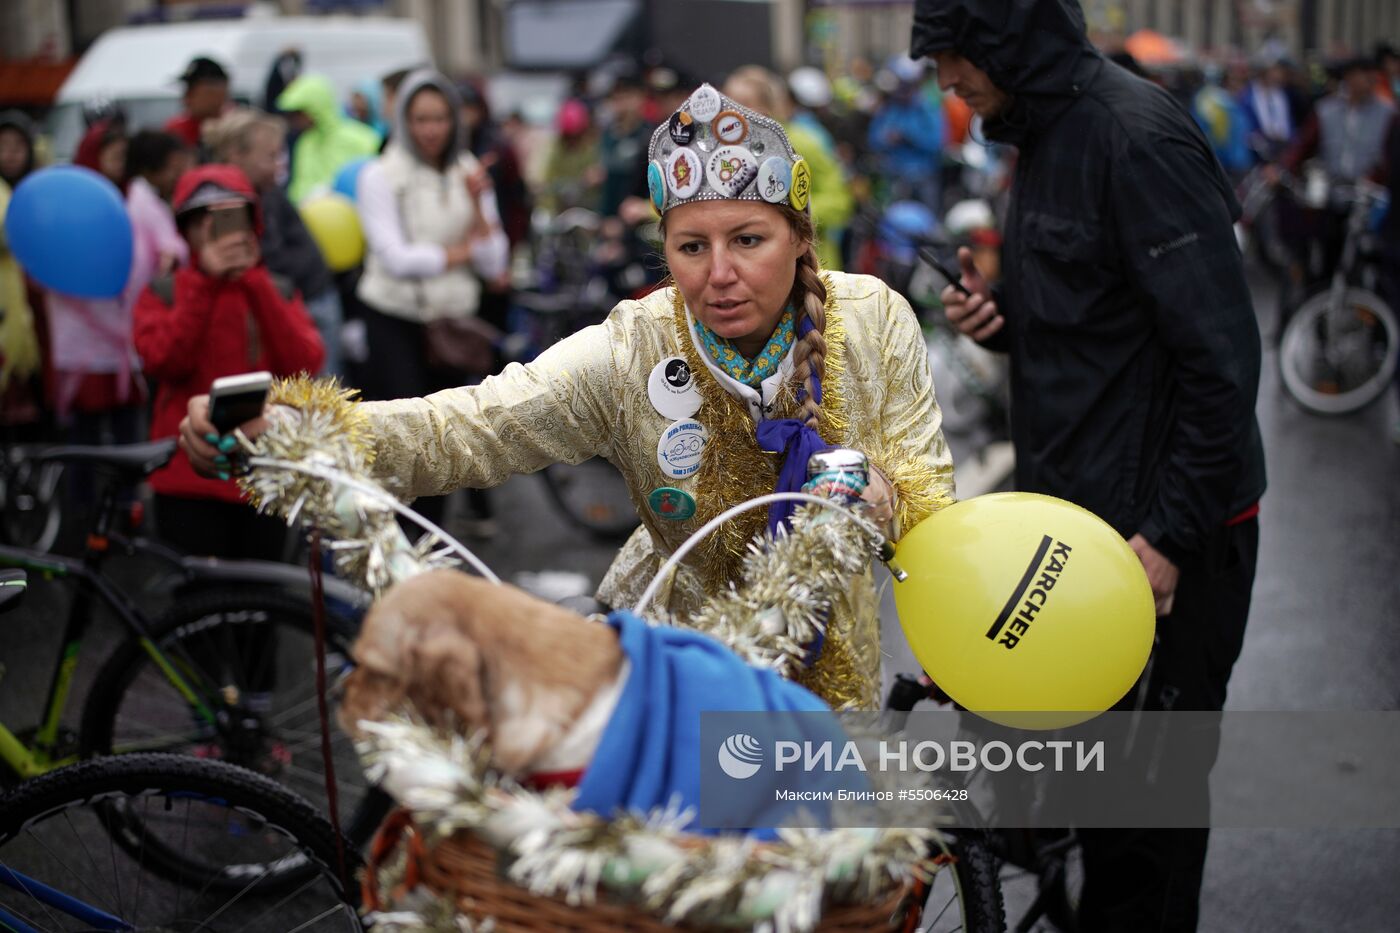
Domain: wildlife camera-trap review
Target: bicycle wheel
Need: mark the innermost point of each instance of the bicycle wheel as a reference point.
(1042, 877)
(1338, 360)
(965, 895)
(31, 509)
(594, 496)
(250, 658)
(61, 830)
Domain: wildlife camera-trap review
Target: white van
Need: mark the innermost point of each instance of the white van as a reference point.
(138, 67)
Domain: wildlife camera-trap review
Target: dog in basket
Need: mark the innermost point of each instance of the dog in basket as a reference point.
(612, 707)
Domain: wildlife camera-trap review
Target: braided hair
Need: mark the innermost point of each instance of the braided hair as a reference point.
(809, 299)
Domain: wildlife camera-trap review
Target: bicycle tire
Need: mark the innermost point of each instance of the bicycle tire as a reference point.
(608, 518)
(130, 685)
(31, 510)
(54, 820)
(975, 888)
(1298, 365)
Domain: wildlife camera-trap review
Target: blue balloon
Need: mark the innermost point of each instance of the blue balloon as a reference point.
(348, 176)
(69, 229)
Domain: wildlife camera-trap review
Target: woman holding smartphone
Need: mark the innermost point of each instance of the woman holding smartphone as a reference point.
(221, 314)
(430, 218)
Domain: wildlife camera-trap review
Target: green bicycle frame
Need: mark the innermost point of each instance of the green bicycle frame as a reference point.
(38, 757)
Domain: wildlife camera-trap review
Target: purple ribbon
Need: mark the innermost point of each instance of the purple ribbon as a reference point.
(796, 442)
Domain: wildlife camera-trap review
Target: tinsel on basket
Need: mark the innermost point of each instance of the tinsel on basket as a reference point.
(647, 859)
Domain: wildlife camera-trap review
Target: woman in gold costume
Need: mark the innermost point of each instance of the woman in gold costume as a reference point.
(699, 392)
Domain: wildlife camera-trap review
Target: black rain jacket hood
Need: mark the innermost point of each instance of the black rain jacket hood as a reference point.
(1035, 50)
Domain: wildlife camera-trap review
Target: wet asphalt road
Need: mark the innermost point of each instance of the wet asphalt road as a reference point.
(1322, 635)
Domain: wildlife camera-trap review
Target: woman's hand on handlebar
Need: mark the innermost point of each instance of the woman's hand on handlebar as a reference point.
(879, 495)
(211, 458)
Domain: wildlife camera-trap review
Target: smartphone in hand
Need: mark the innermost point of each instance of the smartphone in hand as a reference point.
(955, 280)
(224, 221)
(234, 400)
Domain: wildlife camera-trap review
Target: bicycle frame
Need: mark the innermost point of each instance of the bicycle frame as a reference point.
(1351, 247)
(52, 897)
(38, 757)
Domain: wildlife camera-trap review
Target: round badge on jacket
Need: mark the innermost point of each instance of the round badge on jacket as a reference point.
(679, 449)
(671, 388)
(671, 503)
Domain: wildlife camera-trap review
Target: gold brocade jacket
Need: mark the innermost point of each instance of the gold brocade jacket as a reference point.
(587, 397)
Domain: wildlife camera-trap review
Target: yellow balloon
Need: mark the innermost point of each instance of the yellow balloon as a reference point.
(335, 227)
(1026, 609)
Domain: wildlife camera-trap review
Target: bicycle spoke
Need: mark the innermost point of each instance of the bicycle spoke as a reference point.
(141, 863)
(106, 905)
(302, 707)
(237, 897)
(285, 900)
(950, 903)
(329, 911)
(44, 907)
(184, 848)
(154, 743)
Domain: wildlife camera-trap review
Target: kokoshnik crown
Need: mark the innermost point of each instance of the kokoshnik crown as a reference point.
(713, 149)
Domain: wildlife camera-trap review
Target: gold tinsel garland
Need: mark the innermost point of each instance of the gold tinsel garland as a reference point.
(788, 588)
(316, 423)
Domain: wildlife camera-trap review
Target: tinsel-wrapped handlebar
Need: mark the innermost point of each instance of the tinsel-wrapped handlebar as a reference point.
(313, 461)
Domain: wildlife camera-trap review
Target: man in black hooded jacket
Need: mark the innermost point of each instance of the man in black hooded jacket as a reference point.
(1134, 362)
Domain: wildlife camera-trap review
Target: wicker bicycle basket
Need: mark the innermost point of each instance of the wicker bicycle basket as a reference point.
(468, 871)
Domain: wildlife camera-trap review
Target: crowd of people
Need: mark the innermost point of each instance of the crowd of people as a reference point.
(873, 136)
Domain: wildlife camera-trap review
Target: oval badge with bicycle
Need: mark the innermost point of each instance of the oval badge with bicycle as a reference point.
(678, 452)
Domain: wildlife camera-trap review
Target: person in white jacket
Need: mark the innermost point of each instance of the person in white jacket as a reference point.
(433, 232)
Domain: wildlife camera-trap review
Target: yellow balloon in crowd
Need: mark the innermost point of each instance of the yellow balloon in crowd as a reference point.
(335, 227)
(1020, 604)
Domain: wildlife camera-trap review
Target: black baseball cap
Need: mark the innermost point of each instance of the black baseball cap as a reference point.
(203, 69)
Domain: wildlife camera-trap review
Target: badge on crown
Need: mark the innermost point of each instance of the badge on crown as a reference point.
(712, 148)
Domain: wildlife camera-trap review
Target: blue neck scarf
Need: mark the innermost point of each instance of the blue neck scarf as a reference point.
(750, 372)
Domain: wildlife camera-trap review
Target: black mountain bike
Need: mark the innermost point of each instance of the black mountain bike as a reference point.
(153, 841)
(226, 673)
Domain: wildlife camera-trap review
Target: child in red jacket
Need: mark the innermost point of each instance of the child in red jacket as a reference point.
(220, 315)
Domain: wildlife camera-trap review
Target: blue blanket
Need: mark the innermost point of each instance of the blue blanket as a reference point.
(650, 753)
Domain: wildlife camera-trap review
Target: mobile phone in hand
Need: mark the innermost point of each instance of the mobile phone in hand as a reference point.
(234, 400)
(927, 255)
(224, 221)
